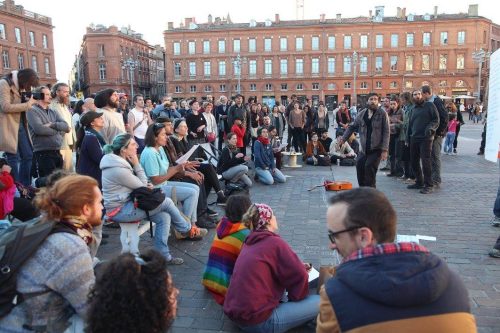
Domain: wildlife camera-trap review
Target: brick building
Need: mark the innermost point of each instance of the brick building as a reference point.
(118, 58)
(329, 59)
(26, 41)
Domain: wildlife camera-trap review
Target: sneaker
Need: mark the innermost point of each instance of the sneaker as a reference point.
(211, 213)
(111, 224)
(415, 186)
(481, 153)
(221, 199)
(390, 174)
(385, 169)
(454, 151)
(205, 222)
(495, 222)
(426, 190)
(409, 181)
(175, 261)
(494, 253)
(194, 234)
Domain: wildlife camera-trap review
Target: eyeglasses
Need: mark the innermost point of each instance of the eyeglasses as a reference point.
(332, 235)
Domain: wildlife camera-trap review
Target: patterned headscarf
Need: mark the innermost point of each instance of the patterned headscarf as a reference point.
(265, 214)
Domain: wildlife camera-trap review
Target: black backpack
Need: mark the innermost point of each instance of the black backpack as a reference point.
(147, 199)
(18, 243)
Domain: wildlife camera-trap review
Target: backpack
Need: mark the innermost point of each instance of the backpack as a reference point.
(147, 199)
(233, 188)
(18, 243)
(348, 162)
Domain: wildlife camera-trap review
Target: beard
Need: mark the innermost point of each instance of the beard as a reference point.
(114, 105)
(96, 218)
(419, 102)
(373, 107)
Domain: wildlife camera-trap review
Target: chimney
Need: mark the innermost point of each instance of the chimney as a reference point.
(403, 12)
(209, 18)
(398, 12)
(473, 10)
(370, 13)
(187, 21)
(435, 11)
(339, 17)
(170, 26)
(276, 18)
(322, 18)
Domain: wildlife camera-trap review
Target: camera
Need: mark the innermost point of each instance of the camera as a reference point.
(36, 95)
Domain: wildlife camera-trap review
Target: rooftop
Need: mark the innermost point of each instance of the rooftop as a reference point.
(10, 7)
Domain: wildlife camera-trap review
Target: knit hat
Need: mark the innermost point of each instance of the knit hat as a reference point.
(265, 215)
(89, 117)
(178, 122)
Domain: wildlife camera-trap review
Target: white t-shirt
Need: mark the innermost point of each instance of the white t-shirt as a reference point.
(140, 131)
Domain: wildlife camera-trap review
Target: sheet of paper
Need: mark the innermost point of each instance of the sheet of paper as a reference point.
(184, 158)
(413, 238)
(313, 274)
(491, 152)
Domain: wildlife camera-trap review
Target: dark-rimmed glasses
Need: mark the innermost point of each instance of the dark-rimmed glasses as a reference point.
(332, 235)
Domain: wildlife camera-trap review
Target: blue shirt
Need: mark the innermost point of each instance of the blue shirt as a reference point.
(154, 163)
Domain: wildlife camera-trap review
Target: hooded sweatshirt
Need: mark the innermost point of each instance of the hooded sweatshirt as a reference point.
(119, 179)
(223, 254)
(265, 268)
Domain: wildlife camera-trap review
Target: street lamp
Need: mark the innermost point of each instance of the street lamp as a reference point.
(479, 57)
(355, 63)
(237, 62)
(131, 65)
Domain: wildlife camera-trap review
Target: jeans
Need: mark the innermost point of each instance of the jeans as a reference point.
(47, 161)
(395, 152)
(238, 172)
(287, 316)
(496, 207)
(448, 143)
(268, 178)
(436, 159)
(187, 194)
(422, 150)
(21, 161)
(366, 168)
(162, 215)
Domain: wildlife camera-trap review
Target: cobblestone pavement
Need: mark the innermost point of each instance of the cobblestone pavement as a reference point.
(458, 214)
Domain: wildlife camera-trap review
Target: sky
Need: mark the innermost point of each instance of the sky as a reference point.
(71, 17)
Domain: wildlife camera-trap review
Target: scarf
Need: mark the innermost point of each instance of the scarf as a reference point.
(79, 226)
(264, 141)
(232, 148)
(99, 137)
(265, 214)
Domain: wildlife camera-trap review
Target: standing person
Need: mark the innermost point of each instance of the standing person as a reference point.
(254, 123)
(437, 143)
(211, 129)
(297, 122)
(14, 136)
(237, 111)
(372, 124)
(450, 136)
(343, 117)
(107, 101)
(60, 102)
(123, 108)
(395, 124)
(278, 121)
(386, 103)
(383, 286)
(77, 114)
(265, 268)
(288, 109)
(321, 120)
(309, 125)
(265, 167)
(196, 124)
(422, 126)
(452, 109)
(88, 105)
(231, 163)
(407, 107)
(47, 129)
(139, 119)
(59, 274)
(221, 112)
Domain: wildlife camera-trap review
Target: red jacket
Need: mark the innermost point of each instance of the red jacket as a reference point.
(7, 192)
(240, 134)
(265, 268)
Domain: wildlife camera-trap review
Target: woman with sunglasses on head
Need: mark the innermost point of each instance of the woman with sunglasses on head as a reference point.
(265, 269)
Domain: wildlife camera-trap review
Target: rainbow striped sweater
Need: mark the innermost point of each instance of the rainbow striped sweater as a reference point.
(222, 256)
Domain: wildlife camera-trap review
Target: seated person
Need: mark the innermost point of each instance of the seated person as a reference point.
(229, 238)
(265, 167)
(314, 151)
(341, 151)
(354, 143)
(147, 287)
(325, 140)
(231, 163)
(265, 269)
(275, 145)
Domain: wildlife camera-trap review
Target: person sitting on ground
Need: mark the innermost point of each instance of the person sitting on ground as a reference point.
(56, 280)
(144, 300)
(315, 151)
(325, 140)
(340, 151)
(382, 286)
(265, 167)
(264, 270)
(232, 162)
(239, 130)
(121, 174)
(230, 237)
(354, 143)
(275, 141)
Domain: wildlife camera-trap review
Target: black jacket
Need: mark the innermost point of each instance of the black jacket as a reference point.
(443, 116)
(228, 160)
(424, 121)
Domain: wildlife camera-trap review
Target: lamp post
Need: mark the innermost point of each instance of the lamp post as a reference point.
(237, 61)
(355, 63)
(479, 57)
(131, 65)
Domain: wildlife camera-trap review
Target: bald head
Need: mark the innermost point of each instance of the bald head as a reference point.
(88, 104)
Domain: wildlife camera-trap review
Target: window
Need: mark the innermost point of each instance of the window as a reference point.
(20, 60)
(331, 65)
(252, 67)
(364, 85)
(192, 88)
(268, 67)
(2, 31)
(331, 86)
(192, 47)
(178, 89)
(410, 38)
(443, 60)
(378, 64)
(269, 87)
(299, 43)
(236, 69)
(267, 44)
(252, 45)
(237, 88)
(177, 69)
(409, 84)
(315, 86)
(283, 66)
(363, 64)
(192, 68)
(394, 40)
(409, 63)
(101, 50)
(426, 63)
(347, 64)
(222, 87)
(379, 41)
(284, 86)
(177, 48)
(393, 85)
(222, 46)
(461, 38)
(315, 66)
(299, 86)
(347, 85)
(315, 43)
(460, 83)
(426, 39)
(102, 72)
(34, 63)
(46, 63)
(208, 88)
(236, 45)
(299, 66)
(283, 44)
(5, 58)
(222, 68)
(17, 32)
(347, 42)
(443, 83)
(378, 84)
(331, 42)
(206, 68)
(444, 38)
(32, 38)
(253, 87)
(206, 47)
(363, 41)
(394, 63)
(460, 61)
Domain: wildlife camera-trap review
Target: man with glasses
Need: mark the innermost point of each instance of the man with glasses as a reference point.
(384, 286)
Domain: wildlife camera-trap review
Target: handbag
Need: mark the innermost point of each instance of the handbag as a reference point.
(324, 160)
(211, 137)
(147, 199)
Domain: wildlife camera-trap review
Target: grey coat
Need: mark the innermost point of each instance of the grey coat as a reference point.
(44, 136)
(380, 130)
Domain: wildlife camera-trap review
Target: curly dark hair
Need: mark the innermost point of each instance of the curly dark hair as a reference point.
(132, 295)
